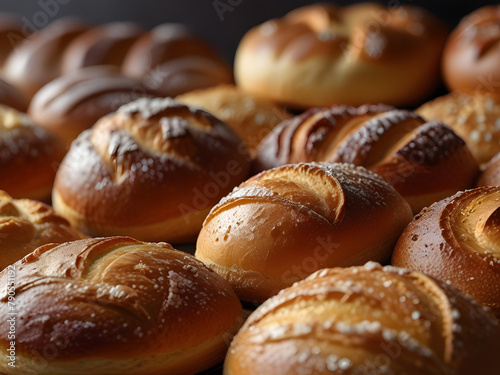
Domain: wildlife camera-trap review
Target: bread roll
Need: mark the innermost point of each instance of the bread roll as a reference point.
(11, 34)
(152, 170)
(323, 54)
(74, 102)
(475, 118)
(249, 116)
(425, 162)
(116, 306)
(367, 320)
(491, 174)
(458, 240)
(172, 61)
(26, 224)
(37, 61)
(104, 45)
(283, 224)
(29, 156)
(472, 52)
(12, 97)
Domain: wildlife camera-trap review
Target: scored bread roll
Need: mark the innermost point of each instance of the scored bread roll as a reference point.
(74, 102)
(471, 54)
(424, 161)
(458, 240)
(37, 61)
(151, 170)
(367, 320)
(475, 118)
(104, 45)
(172, 61)
(323, 54)
(116, 306)
(249, 116)
(283, 224)
(29, 156)
(26, 224)
(491, 174)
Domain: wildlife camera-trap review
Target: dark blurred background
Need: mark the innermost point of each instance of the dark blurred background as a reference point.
(221, 22)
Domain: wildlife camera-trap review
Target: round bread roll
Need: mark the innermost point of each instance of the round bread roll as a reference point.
(103, 45)
(152, 170)
(252, 118)
(475, 118)
(320, 55)
(472, 52)
(26, 224)
(29, 156)
(282, 225)
(37, 61)
(116, 306)
(367, 320)
(73, 102)
(12, 97)
(11, 34)
(172, 61)
(425, 162)
(491, 174)
(458, 240)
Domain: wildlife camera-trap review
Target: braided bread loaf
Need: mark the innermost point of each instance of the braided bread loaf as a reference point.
(367, 320)
(116, 306)
(424, 161)
(152, 170)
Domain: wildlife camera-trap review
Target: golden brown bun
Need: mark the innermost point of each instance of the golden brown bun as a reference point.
(172, 61)
(491, 174)
(12, 97)
(29, 156)
(472, 53)
(74, 102)
(458, 240)
(26, 224)
(37, 60)
(103, 45)
(322, 54)
(367, 320)
(11, 34)
(116, 306)
(251, 117)
(152, 170)
(281, 225)
(425, 162)
(475, 118)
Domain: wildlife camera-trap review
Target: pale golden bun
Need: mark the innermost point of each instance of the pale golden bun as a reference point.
(26, 224)
(472, 53)
(249, 116)
(104, 45)
(475, 118)
(491, 174)
(29, 156)
(37, 60)
(458, 240)
(172, 61)
(423, 161)
(116, 306)
(151, 170)
(74, 102)
(323, 54)
(367, 320)
(283, 224)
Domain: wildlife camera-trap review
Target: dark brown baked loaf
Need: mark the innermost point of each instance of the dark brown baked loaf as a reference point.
(491, 174)
(12, 34)
(424, 161)
(29, 156)
(458, 240)
(282, 225)
(367, 320)
(12, 97)
(116, 306)
(151, 170)
(73, 102)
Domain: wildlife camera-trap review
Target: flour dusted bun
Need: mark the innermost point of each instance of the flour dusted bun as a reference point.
(116, 306)
(323, 54)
